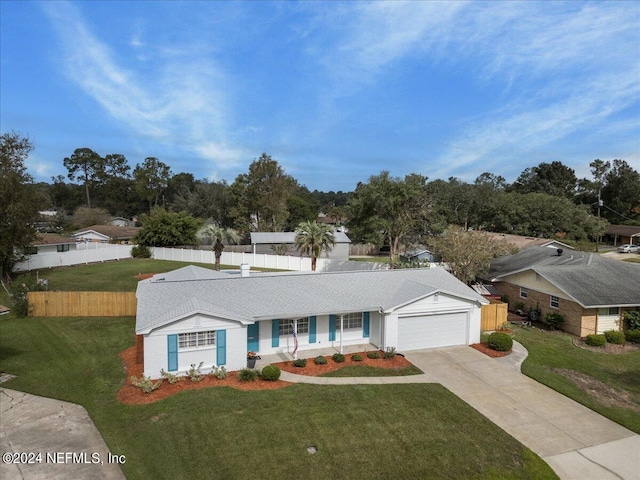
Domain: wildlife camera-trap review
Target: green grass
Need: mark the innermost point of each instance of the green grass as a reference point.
(376, 431)
(369, 371)
(549, 351)
(378, 259)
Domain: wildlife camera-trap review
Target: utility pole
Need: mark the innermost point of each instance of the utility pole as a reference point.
(599, 206)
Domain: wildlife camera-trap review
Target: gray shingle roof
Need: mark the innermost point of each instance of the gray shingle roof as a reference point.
(266, 296)
(590, 279)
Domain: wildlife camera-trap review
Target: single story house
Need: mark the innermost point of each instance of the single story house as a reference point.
(418, 255)
(590, 291)
(121, 222)
(106, 234)
(51, 243)
(194, 315)
(520, 241)
(270, 242)
(622, 234)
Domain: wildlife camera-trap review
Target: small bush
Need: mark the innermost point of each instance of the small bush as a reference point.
(633, 336)
(356, 357)
(373, 355)
(271, 373)
(300, 363)
(145, 383)
(390, 353)
(140, 251)
(519, 306)
(247, 375)
(596, 340)
(614, 336)
(169, 377)
(500, 342)
(337, 357)
(632, 319)
(194, 373)
(320, 360)
(553, 320)
(219, 372)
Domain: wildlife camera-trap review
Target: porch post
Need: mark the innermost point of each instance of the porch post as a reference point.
(341, 327)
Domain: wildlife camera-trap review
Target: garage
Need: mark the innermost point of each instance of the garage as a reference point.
(430, 331)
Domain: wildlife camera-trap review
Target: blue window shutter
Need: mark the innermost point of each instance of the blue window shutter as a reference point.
(275, 333)
(332, 328)
(172, 352)
(365, 325)
(221, 347)
(312, 329)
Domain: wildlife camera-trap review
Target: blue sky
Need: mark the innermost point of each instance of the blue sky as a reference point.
(336, 92)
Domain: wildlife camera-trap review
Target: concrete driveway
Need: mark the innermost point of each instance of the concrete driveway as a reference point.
(577, 442)
(30, 424)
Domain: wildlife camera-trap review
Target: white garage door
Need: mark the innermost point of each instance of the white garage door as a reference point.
(430, 331)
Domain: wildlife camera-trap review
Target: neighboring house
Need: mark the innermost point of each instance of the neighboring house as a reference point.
(417, 256)
(121, 222)
(51, 243)
(107, 234)
(621, 234)
(521, 242)
(271, 242)
(590, 291)
(194, 315)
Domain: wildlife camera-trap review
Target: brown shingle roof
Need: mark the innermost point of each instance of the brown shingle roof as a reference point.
(623, 230)
(112, 231)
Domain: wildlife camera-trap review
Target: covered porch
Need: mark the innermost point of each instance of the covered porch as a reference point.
(325, 352)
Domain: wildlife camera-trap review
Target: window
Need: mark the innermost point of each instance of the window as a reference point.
(286, 326)
(352, 321)
(196, 339)
(62, 248)
(523, 293)
(555, 302)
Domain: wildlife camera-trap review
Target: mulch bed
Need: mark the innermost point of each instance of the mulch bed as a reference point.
(314, 370)
(144, 276)
(484, 348)
(131, 395)
(608, 347)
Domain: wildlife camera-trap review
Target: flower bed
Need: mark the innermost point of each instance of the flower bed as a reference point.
(484, 348)
(313, 370)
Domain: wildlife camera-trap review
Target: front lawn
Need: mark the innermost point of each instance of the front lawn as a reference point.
(606, 383)
(369, 371)
(360, 431)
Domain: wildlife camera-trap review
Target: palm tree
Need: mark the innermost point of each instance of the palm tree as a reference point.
(218, 237)
(313, 238)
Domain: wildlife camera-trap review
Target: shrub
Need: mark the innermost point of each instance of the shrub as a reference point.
(219, 372)
(140, 251)
(356, 357)
(519, 306)
(194, 372)
(500, 341)
(633, 336)
(247, 375)
(596, 340)
(169, 377)
(373, 355)
(553, 320)
(614, 336)
(337, 357)
(390, 353)
(300, 363)
(271, 373)
(320, 360)
(632, 319)
(145, 383)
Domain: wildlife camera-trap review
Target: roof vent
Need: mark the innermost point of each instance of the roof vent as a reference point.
(244, 270)
(559, 252)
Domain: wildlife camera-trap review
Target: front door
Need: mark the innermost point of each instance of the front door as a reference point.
(253, 337)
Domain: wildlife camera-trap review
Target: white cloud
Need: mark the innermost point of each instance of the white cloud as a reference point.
(179, 100)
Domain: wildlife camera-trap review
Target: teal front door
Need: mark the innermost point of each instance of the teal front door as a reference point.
(253, 337)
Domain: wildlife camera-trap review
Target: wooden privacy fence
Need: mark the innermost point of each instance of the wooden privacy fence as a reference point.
(82, 304)
(493, 315)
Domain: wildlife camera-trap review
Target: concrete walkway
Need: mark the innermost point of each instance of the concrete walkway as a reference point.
(32, 424)
(578, 443)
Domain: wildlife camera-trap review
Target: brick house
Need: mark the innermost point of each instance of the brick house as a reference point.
(590, 291)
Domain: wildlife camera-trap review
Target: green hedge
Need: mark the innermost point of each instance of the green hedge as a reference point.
(500, 341)
(594, 340)
(614, 336)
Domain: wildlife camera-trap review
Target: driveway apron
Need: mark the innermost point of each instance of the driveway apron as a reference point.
(577, 442)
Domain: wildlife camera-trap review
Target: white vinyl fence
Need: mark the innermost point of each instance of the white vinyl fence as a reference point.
(85, 253)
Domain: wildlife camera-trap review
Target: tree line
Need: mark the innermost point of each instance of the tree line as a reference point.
(545, 200)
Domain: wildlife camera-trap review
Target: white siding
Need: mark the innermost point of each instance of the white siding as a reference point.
(156, 351)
